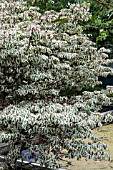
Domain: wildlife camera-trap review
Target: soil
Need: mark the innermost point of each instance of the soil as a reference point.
(105, 135)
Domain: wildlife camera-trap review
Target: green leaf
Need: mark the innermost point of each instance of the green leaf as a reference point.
(61, 21)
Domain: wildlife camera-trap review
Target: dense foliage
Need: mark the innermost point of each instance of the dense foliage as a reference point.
(100, 25)
(48, 52)
(101, 22)
(40, 55)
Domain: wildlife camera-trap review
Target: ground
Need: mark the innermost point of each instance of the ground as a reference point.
(105, 135)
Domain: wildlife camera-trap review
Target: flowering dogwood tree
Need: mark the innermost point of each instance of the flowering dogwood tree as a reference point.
(41, 54)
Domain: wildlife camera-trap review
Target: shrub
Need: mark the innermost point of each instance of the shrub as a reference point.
(40, 55)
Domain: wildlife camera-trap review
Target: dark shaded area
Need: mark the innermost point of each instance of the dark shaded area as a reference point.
(106, 108)
(29, 167)
(106, 81)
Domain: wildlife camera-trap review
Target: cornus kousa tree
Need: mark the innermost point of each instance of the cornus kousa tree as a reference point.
(44, 53)
(40, 55)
